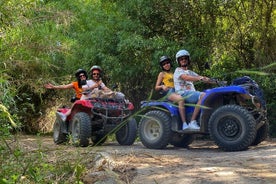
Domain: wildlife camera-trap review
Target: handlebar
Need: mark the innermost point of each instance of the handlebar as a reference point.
(218, 82)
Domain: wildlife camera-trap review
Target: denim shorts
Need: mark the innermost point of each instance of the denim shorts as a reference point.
(168, 93)
(191, 96)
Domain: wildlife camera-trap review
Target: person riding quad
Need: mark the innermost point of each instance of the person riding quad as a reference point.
(95, 87)
(165, 83)
(81, 76)
(183, 83)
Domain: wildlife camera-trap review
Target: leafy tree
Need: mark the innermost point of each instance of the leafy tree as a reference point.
(48, 40)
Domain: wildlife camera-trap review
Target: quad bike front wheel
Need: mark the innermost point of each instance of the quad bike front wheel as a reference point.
(81, 129)
(126, 135)
(232, 127)
(58, 134)
(155, 129)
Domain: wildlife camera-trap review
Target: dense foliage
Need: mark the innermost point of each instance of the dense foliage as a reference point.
(47, 40)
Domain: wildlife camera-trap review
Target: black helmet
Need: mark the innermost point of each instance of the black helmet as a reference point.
(163, 59)
(79, 71)
(95, 67)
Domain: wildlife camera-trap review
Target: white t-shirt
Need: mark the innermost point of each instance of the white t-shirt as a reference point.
(181, 85)
(90, 83)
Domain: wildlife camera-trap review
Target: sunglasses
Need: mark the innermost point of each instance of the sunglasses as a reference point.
(95, 73)
(165, 63)
(81, 76)
(183, 58)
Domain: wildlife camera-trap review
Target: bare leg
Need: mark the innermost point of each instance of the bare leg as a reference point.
(197, 108)
(182, 110)
(178, 98)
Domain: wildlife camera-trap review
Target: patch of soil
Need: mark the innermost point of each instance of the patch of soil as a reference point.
(201, 163)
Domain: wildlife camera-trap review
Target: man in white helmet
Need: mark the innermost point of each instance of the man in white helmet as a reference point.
(95, 88)
(95, 85)
(183, 83)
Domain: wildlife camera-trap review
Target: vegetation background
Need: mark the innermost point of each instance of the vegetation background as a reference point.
(48, 40)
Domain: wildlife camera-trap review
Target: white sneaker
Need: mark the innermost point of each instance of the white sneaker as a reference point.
(185, 126)
(62, 116)
(193, 125)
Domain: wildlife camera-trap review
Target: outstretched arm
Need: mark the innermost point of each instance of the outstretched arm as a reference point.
(51, 86)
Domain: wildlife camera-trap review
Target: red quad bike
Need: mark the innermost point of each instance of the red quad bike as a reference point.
(95, 118)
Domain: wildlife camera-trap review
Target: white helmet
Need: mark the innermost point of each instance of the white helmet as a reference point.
(95, 67)
(182, 53)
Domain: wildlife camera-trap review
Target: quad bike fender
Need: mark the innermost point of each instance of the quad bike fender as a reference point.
(80, 105)
(212, 94)
(63, 110)
(84, 103)
(165, 105)
(221, 90)
(170, 108)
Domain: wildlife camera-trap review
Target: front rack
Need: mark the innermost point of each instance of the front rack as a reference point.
(110, 108)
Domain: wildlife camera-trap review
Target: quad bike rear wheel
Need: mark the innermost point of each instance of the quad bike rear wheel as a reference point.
(127, 134)
(155, 129)
(58, 135)
(81, 129)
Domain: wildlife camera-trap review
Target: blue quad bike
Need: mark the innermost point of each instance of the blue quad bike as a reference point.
(234, 116)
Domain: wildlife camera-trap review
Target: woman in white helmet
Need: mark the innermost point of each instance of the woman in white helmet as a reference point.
(183, 83)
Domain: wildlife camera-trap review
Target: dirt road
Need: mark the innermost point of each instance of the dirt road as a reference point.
(201, 163)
